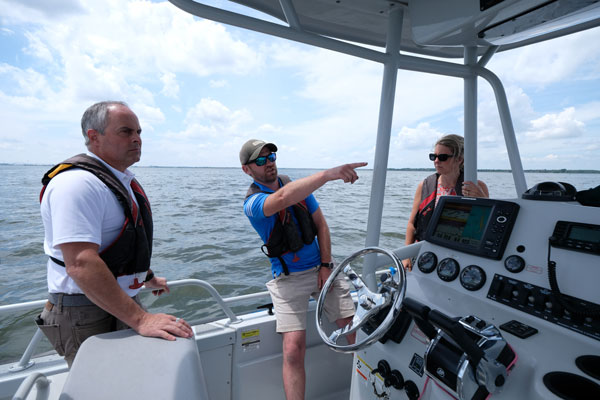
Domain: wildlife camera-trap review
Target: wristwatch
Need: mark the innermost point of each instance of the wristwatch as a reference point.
(149, 276)
(326, 265)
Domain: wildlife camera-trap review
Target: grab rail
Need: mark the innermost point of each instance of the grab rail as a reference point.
(25, 361)
(11, 308)
(37, 378)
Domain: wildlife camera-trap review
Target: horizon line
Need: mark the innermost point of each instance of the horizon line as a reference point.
(540, 170)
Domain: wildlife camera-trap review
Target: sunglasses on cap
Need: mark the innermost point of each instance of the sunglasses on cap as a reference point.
(441, 157)
(260, 161)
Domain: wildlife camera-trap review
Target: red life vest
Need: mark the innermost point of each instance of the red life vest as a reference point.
(131, 251)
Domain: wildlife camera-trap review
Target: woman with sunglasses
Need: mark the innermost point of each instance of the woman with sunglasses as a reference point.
(448, 180)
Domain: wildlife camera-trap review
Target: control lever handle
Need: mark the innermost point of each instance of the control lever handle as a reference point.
(420, 314)
(426, 318)
(458, 333)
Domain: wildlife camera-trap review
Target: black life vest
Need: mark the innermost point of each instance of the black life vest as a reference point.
(131, 251)
(284, 237)
(427, 205)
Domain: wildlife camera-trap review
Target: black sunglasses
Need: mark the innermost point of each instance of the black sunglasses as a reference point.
(260, 161)
(441, 157)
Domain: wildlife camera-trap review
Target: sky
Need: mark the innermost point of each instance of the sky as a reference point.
(201, 89)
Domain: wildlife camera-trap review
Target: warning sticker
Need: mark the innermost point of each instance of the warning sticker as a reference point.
(251, 339)
(250, 334)
(362, 368)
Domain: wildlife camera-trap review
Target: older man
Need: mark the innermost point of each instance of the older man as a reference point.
(98, 237)
(287, 217)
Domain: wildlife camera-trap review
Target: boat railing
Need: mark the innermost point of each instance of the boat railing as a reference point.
(25, 361)
(40, 380)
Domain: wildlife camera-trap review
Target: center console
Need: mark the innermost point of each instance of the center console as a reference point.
(518, 275)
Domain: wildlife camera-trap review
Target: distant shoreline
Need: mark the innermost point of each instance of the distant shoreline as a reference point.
(543, 171)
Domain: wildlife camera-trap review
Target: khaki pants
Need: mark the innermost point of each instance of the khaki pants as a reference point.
(67, 327)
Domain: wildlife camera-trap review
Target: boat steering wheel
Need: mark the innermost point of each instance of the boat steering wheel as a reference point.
(369, 303)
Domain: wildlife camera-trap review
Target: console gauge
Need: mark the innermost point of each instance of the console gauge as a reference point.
(472, 277)
(448, 269)
(514, 263)
(427, 262)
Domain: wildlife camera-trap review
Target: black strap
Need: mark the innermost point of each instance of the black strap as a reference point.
(506, 356)
(57, 261)
(481, 393)
(286, 271)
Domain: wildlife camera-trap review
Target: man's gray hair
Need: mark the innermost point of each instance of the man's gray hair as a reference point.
(96, 117)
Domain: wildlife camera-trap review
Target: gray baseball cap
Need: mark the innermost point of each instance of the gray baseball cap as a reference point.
(252, 148)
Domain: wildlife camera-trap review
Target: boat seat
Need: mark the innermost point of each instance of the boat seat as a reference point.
(125, 365)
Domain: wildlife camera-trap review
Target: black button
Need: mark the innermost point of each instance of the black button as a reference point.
(499, 381)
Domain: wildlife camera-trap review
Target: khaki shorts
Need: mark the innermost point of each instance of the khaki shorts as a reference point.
(290, 295)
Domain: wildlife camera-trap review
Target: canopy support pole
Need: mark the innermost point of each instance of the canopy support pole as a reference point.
(470, 116)
(382, 147)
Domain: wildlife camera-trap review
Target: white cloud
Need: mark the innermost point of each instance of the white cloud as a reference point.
(592, 147)
(38, 11)
(27, 83)
(561, 125)
(572, 57)
(423, 136)
(588, 111)
(268, 129)
(38, 48)
(218, 83)
(170, 85)
(145, 41)
(346, 92)
(210, 121)
(77, 53)
(200, 87)
(218, 115)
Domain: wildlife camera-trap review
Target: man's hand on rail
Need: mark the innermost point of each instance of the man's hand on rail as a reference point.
(164, 326)
(159, 283)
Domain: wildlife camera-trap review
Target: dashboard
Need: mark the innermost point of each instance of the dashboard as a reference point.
(514, 274)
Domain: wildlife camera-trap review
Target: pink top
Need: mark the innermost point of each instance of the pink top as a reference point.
(443, 191)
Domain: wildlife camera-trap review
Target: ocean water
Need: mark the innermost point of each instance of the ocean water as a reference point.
(201, 233)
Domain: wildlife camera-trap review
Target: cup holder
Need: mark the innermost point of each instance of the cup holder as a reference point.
(570, 386)
(590, 365)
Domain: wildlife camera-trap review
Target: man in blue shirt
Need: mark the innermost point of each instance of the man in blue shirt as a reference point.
(287, 217)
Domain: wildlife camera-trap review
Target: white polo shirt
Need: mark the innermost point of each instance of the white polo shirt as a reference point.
(79, 207)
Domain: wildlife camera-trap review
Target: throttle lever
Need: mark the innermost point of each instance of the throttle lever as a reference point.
(420, 314)
(458, 333)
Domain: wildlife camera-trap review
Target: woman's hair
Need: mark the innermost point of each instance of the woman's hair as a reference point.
(456, 144)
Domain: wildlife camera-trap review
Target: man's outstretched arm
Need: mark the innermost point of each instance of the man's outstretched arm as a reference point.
(296, 191)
